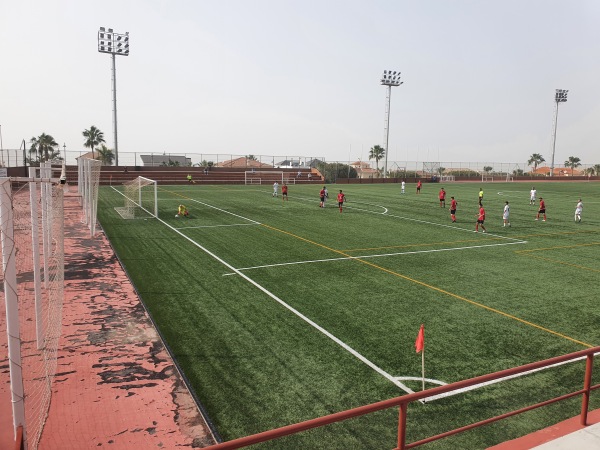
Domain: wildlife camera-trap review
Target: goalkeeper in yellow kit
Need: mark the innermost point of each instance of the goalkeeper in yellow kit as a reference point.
(182, 211)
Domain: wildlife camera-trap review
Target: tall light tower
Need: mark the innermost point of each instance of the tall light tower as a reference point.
(388, 79)
(115, 44)
(559, 97)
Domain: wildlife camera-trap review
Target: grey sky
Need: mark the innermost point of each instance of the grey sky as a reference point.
(277, 77)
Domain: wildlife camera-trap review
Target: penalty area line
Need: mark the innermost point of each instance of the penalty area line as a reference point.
(346, 258)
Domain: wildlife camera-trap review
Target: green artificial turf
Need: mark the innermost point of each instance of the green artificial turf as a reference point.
(369, 276)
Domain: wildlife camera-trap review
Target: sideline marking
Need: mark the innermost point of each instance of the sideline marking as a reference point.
(290, 308)
(442, 291)
(373, 256)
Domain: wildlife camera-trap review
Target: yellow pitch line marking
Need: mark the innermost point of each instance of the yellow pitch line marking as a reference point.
(441, 291)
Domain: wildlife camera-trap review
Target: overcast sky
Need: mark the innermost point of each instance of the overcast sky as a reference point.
(302, 77)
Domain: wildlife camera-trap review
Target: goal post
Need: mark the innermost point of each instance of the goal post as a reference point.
(447, 178)
(141, 199)
(263, 176)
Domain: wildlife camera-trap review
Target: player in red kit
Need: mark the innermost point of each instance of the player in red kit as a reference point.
(341, 199)
(322, 196)
(542, 210)
(442, 198)
(419, 187)
(480, 219)
(284, 195)
(453, 205)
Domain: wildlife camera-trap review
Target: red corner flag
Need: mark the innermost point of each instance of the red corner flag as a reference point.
(420, 342)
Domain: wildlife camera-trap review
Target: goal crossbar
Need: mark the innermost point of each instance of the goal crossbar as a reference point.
(141, 199)
(263, 176)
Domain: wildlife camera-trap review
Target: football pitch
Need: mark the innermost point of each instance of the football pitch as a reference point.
(279, 312)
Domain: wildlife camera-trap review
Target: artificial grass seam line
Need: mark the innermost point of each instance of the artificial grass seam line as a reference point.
(497, 311)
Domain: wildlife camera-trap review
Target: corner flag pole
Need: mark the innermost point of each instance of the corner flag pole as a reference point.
(420, 347)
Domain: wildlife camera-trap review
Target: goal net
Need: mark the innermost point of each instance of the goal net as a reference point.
(141, 199)
(487, 178)
(263, 177)
(446, 178)
(88, 172)
(32, 232)
(431, 168)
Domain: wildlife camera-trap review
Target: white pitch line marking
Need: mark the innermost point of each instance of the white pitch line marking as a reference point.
(374, 256)
(487, 383)
(214, 226)
(293, 310)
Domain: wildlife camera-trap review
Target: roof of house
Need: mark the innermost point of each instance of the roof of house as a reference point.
(543, 170)
(243, 162)
(159, 160)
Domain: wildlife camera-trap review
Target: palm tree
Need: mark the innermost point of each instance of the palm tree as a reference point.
(597, 169)
(44, 145)
(93, 137)
(377, 152)
(106, 155)
(536, 159)
(488, 169)
(573, 162)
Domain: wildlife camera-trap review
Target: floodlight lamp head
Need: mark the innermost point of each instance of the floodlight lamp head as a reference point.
(561, 95)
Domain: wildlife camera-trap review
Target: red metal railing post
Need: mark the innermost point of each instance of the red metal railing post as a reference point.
(587, 383)
(402, 427)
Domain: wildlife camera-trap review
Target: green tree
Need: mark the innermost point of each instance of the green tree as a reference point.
(333, 171)
(596, 169)
(377, 152)
(536, 159)
(573, 162)
(488, 169)
(106, 155)
(93, 138)
(518, 172)
(252, 158)
(43, 147)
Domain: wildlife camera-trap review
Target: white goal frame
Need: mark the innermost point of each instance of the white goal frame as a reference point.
(447, 178)
(141, 199)
(263, 176)
(486, 179)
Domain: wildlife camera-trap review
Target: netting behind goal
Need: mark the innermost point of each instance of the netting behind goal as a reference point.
(31, 222)
(263, 177)
(140, 198)
(447, 178)
(87, 186)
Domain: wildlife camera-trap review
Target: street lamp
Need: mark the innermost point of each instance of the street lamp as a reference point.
(115, 44)
(559, 97)
(65, 152)
(389, 79)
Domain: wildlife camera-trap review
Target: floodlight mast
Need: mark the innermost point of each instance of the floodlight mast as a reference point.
(114, 44)
(389, 79)
(559, 97)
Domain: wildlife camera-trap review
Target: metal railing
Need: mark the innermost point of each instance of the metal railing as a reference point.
(403, 402)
